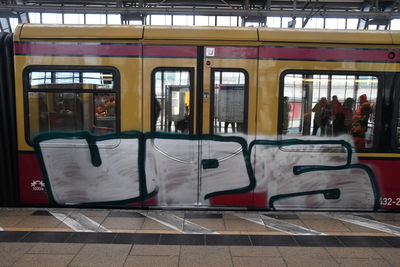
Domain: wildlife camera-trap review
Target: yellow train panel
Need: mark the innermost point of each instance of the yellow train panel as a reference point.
(54, 31)
(324, 36)
(200, 33)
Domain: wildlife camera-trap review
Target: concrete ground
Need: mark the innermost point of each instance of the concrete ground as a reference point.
(99, 237)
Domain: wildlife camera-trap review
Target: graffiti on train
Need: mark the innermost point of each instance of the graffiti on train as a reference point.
(201, 170)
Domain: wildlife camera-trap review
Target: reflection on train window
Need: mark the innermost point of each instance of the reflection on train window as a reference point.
(71, 101)
(171, 101)
(229, 100)
(71, 80)
(330, 105)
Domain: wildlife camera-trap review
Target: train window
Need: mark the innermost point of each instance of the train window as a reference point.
(229, 93)
(172, 101)
(71, 101)
(66, 80)
(330, 105)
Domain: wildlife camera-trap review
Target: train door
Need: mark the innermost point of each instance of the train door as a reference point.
(171, 150)
(228, 117)
(200, 119)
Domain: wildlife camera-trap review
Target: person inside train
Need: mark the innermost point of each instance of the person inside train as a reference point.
(183, 124)
(286, 110)
(363, 112)
(336, 106)
(326, 114)
(226, 126)
(322, 116)
(110, 106)
(347, 110)
(338, 125)
(157, 112)
(338, 118)
(360, 121)
(100, 111)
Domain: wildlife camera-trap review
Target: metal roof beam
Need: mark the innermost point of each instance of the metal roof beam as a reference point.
(357, 4)
(5, 25)
(199, 11)
(23, 17)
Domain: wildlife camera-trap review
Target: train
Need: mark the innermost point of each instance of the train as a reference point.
(200, 117)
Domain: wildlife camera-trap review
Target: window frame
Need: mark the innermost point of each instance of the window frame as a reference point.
(395, 121)
(191, 71)
(246, 96)
(69, 68)
(378, 103)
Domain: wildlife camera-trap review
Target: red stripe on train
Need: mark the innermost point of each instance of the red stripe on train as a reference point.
(290, 53)
(104, 49)
(232, 52)
(387, 176)
(94, 49)
(327, 54)
(169, 51)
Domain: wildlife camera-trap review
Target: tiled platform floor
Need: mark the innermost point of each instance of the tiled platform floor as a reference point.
(79, 254)
(98, 237)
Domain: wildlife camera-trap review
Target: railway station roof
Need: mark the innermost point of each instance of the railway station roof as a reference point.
(297, 13)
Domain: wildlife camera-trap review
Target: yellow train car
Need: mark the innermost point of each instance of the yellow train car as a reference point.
(205, 117)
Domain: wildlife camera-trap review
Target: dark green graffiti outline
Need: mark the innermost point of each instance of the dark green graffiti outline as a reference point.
(142, 137)
(210, 137)
(297, 170)
(96, 161)
(209, 163)
(328, 194)
(292, 142)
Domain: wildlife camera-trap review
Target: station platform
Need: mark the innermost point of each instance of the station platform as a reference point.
(105, 237)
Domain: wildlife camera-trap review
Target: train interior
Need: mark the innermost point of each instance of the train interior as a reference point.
(330, 105)
(53, 108)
